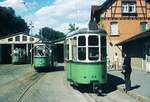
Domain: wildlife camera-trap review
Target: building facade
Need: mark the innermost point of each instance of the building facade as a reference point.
(121, 19)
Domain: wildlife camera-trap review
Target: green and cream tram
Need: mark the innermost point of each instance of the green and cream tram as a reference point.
(18, 56)
(85, 57)
(41, 57)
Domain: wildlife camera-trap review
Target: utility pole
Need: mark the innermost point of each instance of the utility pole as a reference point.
(31, 39)
(30, 33)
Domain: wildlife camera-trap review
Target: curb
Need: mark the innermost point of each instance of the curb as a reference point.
(134, 95)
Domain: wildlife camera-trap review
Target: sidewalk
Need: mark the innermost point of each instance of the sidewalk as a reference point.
(140, 83)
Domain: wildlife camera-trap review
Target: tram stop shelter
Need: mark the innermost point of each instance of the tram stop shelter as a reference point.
(17, 40)
(138, 48)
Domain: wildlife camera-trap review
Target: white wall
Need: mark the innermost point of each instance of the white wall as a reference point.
(111, 50)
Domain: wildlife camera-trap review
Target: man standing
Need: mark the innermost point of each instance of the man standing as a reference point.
(127, 72)
(116, 61)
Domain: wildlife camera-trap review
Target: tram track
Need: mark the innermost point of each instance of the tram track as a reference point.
(97, 98)
(31, 84)
(114, 96)
(92, 97)
(15, 90)
(12, 72)
(6, 69)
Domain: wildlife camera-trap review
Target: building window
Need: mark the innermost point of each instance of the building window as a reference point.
(125, 8)
(10, 39)
(17, 38)
(129, 7)
(143, 26)
(114, 28)
(31, 39)
(24, 38)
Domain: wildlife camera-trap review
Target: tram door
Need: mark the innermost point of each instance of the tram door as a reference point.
(147, 50)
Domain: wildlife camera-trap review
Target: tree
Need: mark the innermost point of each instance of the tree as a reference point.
(50, 34)
(10, 23)
(72, 27)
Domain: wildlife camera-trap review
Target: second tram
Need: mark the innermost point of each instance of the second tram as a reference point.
(42, 57)
(85, 57)
(18, 56)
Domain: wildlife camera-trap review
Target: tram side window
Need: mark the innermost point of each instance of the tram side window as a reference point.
(81, 41)
(81, 53)
(103, 48)
(67, 49)
(93, 48)
(81, 48)
(74, 48)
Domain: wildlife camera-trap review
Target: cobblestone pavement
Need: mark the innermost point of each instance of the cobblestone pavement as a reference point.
(52, 87)
(10, 72)
(139, 84)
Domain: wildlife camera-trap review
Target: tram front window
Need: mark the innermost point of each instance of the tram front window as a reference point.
(81, 48)
(81, 53)
(40, 51)
(93, 53)
(81, 41)
(93, 48)
(93, 40)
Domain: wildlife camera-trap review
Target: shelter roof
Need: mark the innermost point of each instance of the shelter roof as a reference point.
(12, 35)
(18, 38)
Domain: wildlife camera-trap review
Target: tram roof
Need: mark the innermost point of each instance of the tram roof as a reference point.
(87, 30)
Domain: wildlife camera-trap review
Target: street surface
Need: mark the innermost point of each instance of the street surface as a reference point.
(48, 87)
(10, 72)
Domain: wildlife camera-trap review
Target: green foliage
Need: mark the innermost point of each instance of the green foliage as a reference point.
(72, 27)
(50, 34)
(10, 23)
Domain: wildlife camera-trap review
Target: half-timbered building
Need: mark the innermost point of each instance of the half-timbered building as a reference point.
(121, 19)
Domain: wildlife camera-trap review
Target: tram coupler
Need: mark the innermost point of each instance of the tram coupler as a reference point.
(96, 87)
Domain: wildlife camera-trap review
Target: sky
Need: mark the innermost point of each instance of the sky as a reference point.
(56, 14)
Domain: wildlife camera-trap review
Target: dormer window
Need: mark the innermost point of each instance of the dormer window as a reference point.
(17, 38)
(128, 8)
(10, 39)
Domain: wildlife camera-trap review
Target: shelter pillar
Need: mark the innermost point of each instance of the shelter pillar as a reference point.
(27, 53)
(0, 54)
(12, 48)
(27, 50)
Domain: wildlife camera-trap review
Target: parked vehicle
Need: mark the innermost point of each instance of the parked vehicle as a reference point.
(42, 57)
(85, 57)
(18, 56)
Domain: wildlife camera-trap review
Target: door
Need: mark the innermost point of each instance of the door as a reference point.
(147, 50)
